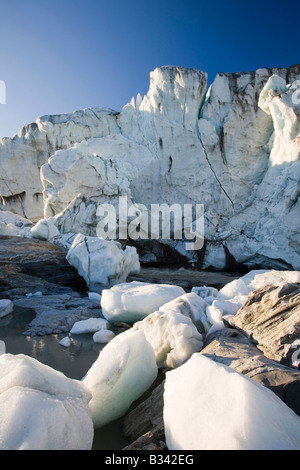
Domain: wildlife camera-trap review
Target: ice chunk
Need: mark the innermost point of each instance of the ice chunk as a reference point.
(205, 292)
(125, 369)
(214, 314)
(227, 307)
(91, 325)
(95, 296)
(192, 306)
(45, 230)
(238, 290)
(102, 263)
(173, 337)
(103, 336)
(6, 307)
(42, 409)
(133, 301)
(14, 225)
(235, 289)
(65, 342)
(209, 406)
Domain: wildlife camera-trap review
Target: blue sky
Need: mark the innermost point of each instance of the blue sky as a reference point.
(58, 56)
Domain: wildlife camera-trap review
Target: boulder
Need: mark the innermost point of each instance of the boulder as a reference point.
(271, 317)
(27, 265)
(102, 263)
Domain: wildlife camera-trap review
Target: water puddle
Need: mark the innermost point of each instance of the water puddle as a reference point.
(74, 362)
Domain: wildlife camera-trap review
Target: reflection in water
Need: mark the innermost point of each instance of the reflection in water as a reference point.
(74, 361)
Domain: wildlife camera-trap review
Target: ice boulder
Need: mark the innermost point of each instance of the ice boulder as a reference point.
(14, 225)
(42, 409)
(209, 406)
(103, 336)
(45, 230)
(237, 291)
(91, 325)
(124, 370)
(172, 335)
(65, 342)
(191, 305)
(102, 263)
(6, 307)
(133, 301)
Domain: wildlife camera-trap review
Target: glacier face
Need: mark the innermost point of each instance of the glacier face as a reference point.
(22, 156)
(233, 148)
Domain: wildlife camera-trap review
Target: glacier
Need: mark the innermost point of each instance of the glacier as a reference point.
(233, 147)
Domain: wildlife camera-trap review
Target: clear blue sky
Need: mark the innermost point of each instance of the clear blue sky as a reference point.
(59, 56)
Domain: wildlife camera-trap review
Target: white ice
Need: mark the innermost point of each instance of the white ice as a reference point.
(42, 409)
(233, 295)
(102, 263)
(172, 335)
(209, 406)
(6, 307)
(94, 296)
(191, 305)
(103, 336)
(65, 342)
(125, 369)
(91, 325)
(133, 301)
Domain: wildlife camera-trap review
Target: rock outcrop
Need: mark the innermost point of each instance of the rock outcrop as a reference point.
(271, 317)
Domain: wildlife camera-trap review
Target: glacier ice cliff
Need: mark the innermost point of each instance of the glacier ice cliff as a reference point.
(233, 147)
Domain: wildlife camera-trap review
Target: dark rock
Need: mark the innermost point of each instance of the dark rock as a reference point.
(146, 417)
(57, 313)
(186, 278)
(152, 440)
(38, 259)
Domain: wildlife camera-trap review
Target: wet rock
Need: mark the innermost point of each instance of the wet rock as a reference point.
(38, 259)
(57, 313)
